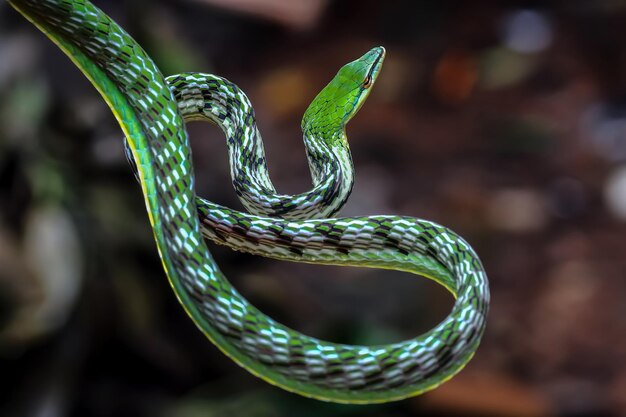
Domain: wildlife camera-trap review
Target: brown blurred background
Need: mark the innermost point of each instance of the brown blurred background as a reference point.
(505, 121)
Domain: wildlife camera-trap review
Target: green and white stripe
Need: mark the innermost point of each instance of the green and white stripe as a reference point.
(151, 118)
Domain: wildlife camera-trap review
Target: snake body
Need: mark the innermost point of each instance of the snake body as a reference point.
(208, 97)
(150, 117)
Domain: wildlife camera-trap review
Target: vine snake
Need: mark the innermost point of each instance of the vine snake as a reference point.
(151, 119)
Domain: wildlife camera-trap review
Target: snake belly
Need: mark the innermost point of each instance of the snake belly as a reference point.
(147, 111)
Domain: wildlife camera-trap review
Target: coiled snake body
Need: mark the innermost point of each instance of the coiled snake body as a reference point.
(150, 116)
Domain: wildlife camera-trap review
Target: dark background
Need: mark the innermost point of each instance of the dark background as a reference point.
(505, 121)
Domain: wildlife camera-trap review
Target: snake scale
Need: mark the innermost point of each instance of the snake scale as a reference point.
(295, 228)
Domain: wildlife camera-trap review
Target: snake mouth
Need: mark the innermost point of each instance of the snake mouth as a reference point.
(373, 59)
(379, 56)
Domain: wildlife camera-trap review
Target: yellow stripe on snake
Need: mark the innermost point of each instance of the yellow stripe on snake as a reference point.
(297, 228)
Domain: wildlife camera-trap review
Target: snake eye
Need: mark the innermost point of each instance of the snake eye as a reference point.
(367, 82)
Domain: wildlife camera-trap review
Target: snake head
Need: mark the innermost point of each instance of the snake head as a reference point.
(342, 98)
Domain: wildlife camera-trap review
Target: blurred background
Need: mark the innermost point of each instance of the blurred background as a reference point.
(505, 121)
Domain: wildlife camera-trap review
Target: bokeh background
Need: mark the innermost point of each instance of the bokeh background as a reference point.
(505, 121)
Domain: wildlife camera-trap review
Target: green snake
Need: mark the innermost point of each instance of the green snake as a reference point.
(150, 112)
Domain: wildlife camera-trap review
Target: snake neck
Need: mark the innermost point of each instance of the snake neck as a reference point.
(213, 98)
(330, 163)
